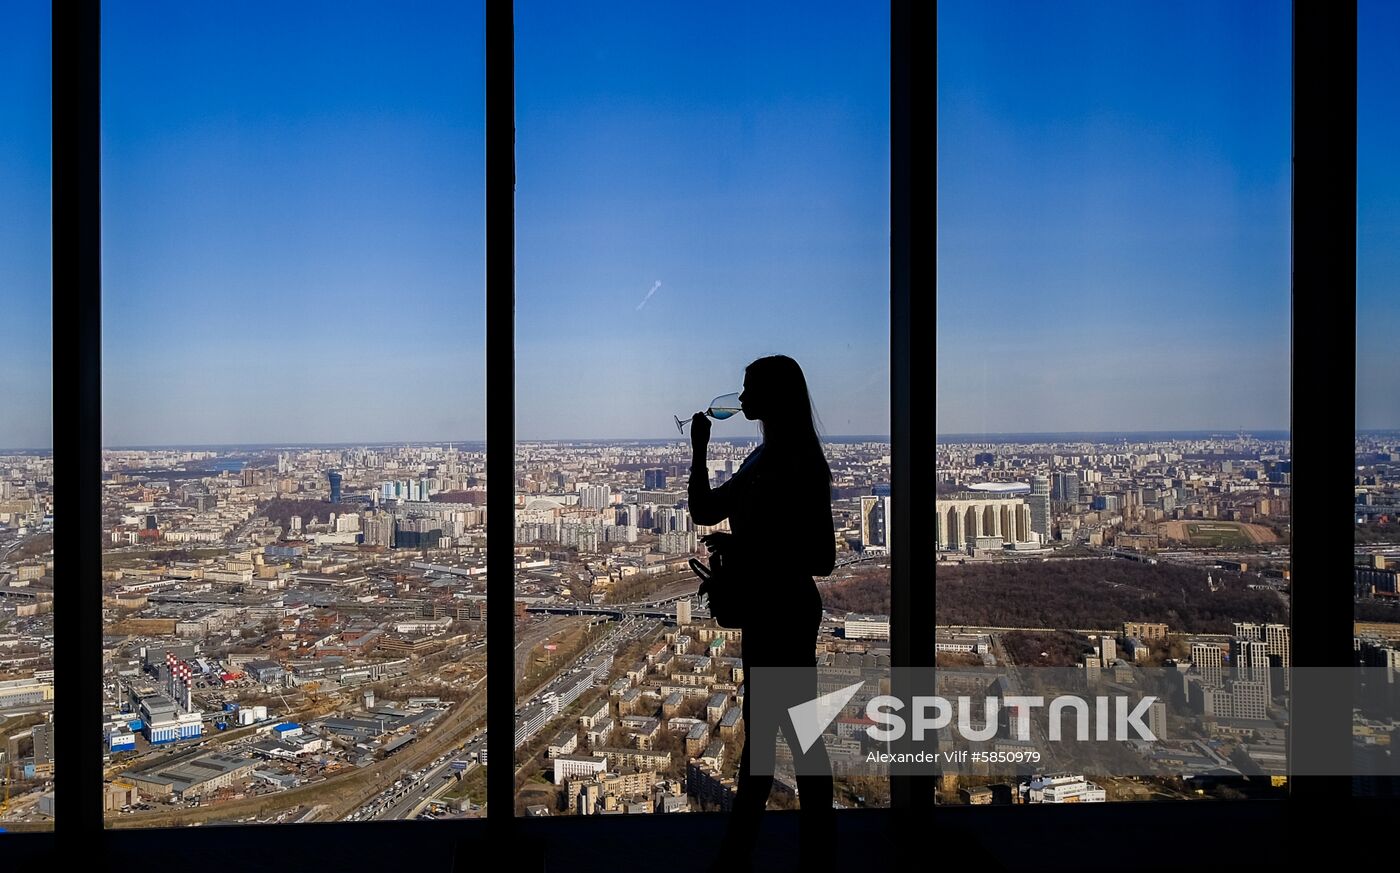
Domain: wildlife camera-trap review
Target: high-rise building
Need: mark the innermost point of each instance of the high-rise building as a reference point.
(655, 479)
(683, 611)
(618, 533)
(417, 533)
(669, 518)
(678, 542)
(594, 496)
(1278, 637)
(335, 486)
(379, 529)
(1210, 663)
(1040, 506)
(874, 526)
(1252, 662)
(43, 736)
(1107, 502)
(1157, 719)
(1248, 699)
(1248, 630)
(1065, 488)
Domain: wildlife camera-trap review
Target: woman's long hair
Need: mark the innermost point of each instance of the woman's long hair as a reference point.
(790, 422)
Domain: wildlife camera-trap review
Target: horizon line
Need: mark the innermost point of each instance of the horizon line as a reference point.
(1210, 430)
(396, 443)
(635, 439)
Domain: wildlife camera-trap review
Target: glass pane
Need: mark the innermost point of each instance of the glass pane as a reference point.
(700, 186)
(1377, 602)
(26, 423)
(1113, 384)
(293, 488)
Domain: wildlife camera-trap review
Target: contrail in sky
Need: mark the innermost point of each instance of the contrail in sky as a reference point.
(648, 297)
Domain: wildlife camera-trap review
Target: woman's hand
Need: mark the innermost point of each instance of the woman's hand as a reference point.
(719, 543)
(699, 433)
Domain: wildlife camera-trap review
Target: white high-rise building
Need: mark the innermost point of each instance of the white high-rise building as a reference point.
(1249, 699)
(1252, 663)
(1247, 630)
(1209, 662)
(594, 496)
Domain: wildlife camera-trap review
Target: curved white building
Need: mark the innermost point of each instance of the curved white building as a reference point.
(1001, 489)
(961, 521)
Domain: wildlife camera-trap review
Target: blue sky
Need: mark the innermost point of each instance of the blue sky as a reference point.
(294, 230)
(293, 217)
(737, 153)
(293, 236)
(1378, 215)
(26, 344)
(1113, 215)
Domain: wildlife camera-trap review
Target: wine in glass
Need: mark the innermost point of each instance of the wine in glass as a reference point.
(722, 407)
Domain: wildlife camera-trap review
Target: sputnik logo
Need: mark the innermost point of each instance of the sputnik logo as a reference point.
(811, 719)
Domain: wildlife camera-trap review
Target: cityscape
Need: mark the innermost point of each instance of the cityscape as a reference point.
(1114, 554)
(297, 633)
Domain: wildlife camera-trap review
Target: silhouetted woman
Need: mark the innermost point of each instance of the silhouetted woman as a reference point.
(779, 508)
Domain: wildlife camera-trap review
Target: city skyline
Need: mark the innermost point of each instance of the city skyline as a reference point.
(1107, 437)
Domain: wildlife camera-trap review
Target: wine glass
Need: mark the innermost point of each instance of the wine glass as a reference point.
(722, 407)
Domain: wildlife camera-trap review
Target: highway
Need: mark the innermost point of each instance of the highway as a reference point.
(406, 797)
(6, 549)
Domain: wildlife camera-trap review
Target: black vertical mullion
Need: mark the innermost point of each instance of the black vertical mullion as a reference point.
(500, 416)
(913, 155)
(1324, 353)
(77, 384)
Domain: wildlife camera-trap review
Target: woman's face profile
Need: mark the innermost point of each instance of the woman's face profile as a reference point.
(748, 400)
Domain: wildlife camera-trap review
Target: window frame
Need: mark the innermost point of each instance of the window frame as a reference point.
(1324, 248)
